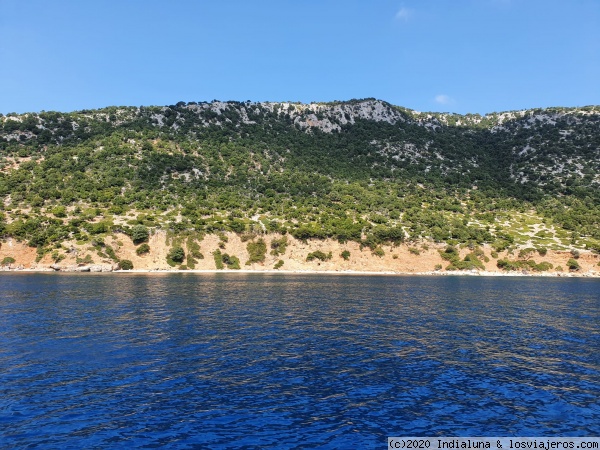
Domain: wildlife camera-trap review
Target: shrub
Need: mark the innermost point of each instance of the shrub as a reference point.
(278, 264)
(8, 260)
(279, 246)
(414, 251)
(237, 225)
(125, 264)
(450, 253)
(573, 265)
(575, 253)
(319, 255)
(438, 267)
(87, 260)
(218, 256)
(100, 227)
(526, 253)
(544, 266)
(233, 262)
(57, 257)
(345, 254)
(98, 242)
(139, 234)
(111, 253)
(176, 254)
(470, 262)
(524, 265)
(257, 251)
(190, 261)
(142, 249)
(378, 251)
(500, 245)
(194, 248)
(59, 211)
(247, 237)
(542, 251)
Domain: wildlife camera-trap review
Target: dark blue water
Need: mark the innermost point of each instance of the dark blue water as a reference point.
(293, 361)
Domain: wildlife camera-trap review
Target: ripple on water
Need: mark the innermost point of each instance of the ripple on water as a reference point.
(293, 360)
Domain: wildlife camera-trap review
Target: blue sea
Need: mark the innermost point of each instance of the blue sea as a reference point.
(233, 360)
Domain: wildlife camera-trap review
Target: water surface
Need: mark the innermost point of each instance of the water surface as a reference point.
(292, 361)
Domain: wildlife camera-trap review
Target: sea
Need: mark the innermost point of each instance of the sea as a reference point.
(251, 360)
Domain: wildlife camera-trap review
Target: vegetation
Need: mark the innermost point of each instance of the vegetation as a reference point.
(139, 234)
(8, 260)
(175, 255)
(278, 246)
(125, 264)
(378, 251)
(321, 256)
(142, 249)
(526, 179)
(218, 256)
(256, 251)
(528, 264)
(232, 262)
(223, 260)
(472, 261)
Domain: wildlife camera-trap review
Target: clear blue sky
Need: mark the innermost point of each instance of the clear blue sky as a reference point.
(430, 55)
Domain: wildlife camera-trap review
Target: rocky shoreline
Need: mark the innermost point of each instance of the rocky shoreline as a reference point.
(424, 258)
(106, 268)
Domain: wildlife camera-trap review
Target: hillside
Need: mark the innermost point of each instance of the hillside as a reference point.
(363, 172)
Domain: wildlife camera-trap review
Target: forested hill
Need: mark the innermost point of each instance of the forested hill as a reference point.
(355, 170)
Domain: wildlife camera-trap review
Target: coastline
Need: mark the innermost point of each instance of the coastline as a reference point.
(462, 273)
(406, 259)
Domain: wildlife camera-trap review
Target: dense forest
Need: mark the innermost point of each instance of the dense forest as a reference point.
(362, 170)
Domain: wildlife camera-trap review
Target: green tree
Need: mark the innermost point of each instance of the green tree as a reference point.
(142, 249)
(176, 254)
(257, 251)
(139, 234)
(125, 264)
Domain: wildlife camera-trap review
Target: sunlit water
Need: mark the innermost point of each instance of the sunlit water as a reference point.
(285, 361)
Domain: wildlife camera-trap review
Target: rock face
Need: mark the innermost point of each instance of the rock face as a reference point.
(101, 268)
(87, 268)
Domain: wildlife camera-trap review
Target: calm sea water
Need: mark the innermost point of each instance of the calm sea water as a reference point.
(293, 361)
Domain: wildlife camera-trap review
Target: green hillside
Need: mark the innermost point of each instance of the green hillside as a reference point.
(361, 170)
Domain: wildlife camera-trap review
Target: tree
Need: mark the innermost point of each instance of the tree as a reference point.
(257, 251)
(139, 234)
(8, 260)
(176, 254)
(142, 249)
(573, 265)
(125, 264)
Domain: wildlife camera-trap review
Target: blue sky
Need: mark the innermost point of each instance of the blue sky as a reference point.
(461, 56)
